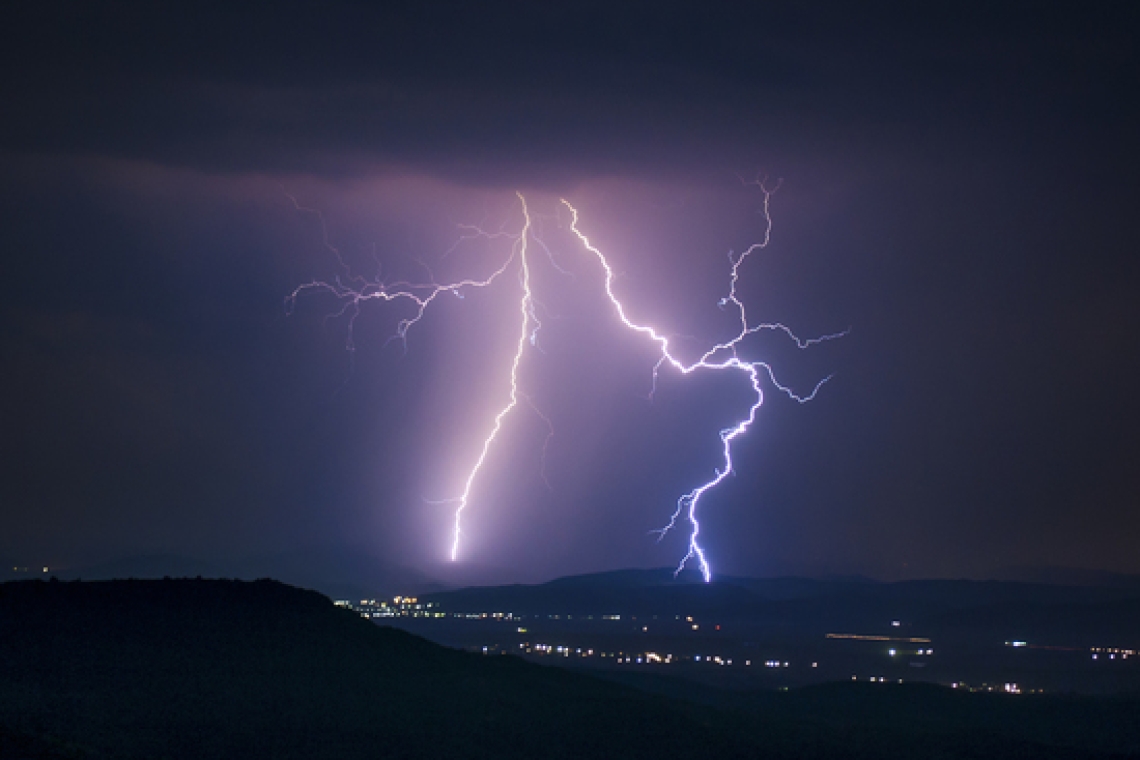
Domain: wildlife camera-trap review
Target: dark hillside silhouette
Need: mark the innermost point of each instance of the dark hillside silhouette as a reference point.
(226, 669)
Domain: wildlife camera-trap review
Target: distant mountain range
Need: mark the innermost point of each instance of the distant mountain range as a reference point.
(661, 587)
(987, 610)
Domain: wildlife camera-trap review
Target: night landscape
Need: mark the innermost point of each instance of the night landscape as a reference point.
(524, 380)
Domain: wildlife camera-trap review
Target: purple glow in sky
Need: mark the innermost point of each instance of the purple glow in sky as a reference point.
(351, 291)
(958, 188)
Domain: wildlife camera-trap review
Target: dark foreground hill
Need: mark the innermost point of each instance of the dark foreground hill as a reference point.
(228, 669)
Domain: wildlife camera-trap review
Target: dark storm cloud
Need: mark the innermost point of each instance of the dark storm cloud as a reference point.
(548, 90)
(959, 184)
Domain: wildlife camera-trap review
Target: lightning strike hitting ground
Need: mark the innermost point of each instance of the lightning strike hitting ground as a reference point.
(353, 290)
(687, 504)
(526, 309)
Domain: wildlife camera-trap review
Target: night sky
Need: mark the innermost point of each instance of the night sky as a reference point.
(959, 188)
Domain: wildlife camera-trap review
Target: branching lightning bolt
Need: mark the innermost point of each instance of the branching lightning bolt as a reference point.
(353, 290)
(687, 505)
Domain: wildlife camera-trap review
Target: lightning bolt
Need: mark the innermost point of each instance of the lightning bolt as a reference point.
(527, 334)
(722, 356)
(352, 291)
